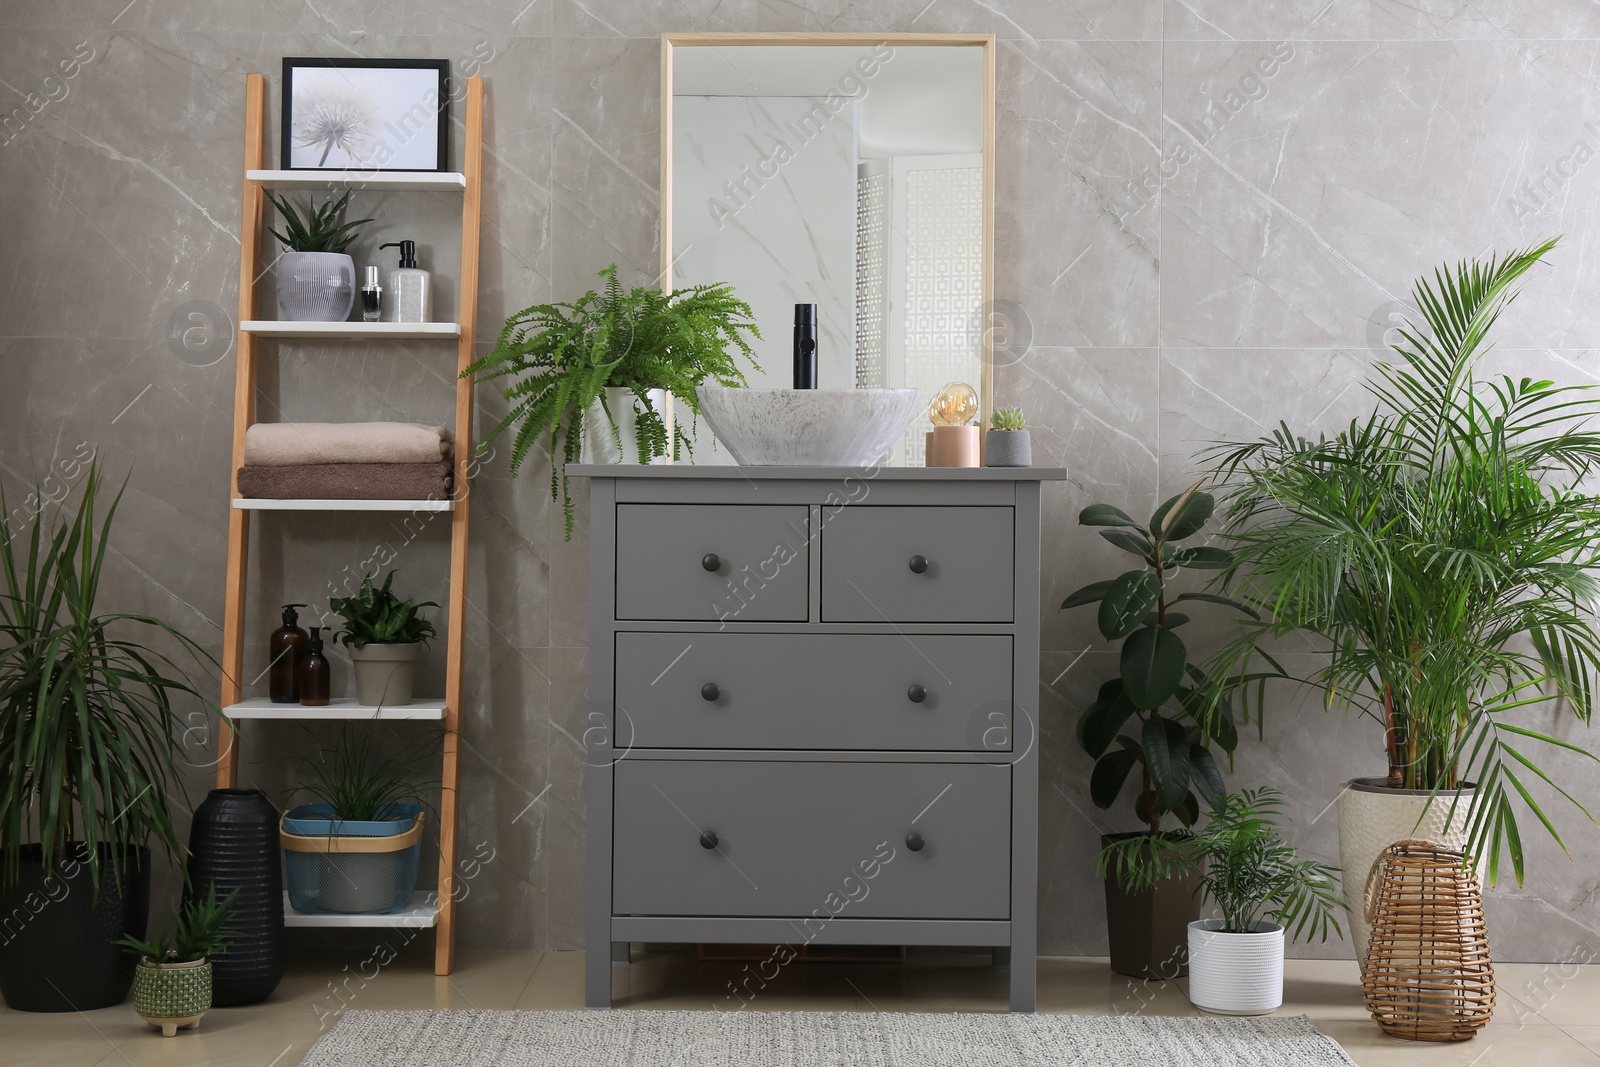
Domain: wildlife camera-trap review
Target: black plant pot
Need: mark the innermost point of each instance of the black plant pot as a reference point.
(1149, 931)
(57, 934)
(233, 844)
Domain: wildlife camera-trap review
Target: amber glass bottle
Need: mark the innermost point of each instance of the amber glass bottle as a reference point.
(316, 675)
(285, 648)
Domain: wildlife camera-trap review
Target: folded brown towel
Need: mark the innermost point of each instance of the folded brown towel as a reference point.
(282, 444)
(347, 481)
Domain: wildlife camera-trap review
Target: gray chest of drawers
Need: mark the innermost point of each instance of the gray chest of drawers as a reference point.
(813, 711)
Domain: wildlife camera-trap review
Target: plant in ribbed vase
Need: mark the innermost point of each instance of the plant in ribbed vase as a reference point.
(316, 279)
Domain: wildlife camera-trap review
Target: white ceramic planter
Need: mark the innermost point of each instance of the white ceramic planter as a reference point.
(385, 673)
(599, 446)
(315, 286)
(1235, 974)
(1371, 818)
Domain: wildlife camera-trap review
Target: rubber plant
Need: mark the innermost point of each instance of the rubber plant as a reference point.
(1161, 714)
(560, 358)
(1445, 551)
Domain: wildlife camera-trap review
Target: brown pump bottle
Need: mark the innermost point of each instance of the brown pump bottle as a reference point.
(285, 648)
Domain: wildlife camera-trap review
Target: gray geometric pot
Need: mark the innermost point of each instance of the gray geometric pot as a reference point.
(315, 286)
(385, 673)
(1008, 448)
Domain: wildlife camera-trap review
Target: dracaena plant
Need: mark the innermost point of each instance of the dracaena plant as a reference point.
(376, 616)
(1244, 867)
(88, 707)
(320, 230)
(559, 359)
(1161, 714)
(1443, 549)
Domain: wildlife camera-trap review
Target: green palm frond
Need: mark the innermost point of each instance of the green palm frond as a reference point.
(1443, 550)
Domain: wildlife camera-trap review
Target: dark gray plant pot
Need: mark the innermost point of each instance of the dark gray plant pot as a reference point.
(1008, 448)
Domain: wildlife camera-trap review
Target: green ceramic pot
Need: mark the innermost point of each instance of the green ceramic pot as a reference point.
(170, 995)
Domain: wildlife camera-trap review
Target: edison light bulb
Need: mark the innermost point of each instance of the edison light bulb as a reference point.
(956, 405)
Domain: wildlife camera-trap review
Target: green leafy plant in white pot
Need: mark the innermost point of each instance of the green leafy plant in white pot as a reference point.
(172, 986)
(1262, 887)
(316, 278)
(1442, 550)
(386, 637)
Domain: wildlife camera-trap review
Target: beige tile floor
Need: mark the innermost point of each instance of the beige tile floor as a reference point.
(1547, 1015)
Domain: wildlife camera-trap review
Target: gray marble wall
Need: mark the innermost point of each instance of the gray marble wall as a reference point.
(1204, 208)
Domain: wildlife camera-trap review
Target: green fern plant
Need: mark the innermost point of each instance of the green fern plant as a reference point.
(1007, 419)
(320, 230)
(379, 617)
(559, 359)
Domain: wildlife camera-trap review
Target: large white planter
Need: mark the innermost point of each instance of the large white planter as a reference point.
(1235, 974)
(385, 673)
(1372, 817)
(599, 446)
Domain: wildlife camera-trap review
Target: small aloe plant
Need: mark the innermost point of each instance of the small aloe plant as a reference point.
(1007, 419)
(320, 230)
(199, 931)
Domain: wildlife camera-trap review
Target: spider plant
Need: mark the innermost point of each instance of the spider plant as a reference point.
(86, 705)
(357, 781)
(1441, 548)
(1245, 868)
(561, 357)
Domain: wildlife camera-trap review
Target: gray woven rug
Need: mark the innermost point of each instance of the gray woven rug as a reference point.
(813, 1039)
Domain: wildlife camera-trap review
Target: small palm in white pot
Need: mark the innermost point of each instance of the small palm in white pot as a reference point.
(1260, 884)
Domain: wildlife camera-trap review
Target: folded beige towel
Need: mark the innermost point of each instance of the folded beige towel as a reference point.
(282, 444)
(347, 481)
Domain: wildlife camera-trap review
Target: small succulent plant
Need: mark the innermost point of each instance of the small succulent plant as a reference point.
(320, 230)
(1007, 419)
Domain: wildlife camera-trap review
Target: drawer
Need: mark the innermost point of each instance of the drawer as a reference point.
(814, 691)
(794, 838)
(892, 564)
(761, 572)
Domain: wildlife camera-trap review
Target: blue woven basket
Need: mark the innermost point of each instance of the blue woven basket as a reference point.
(340, 866)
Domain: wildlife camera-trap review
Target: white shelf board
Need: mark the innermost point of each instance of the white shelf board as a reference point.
(359, 179)
(265, 504)
(340, 708)
(419, 911)
(350, 330)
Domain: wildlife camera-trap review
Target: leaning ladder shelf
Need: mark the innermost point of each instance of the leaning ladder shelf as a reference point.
(436, 909)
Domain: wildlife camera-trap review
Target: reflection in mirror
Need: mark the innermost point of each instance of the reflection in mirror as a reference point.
(849, 176)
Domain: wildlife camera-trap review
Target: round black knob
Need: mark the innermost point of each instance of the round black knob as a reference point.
(917, 694)
(709, 691)
(708, 839)
(919, 564)
(914, 841)
(711, 561)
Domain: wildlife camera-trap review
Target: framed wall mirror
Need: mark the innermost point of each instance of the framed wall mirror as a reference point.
(850, 171)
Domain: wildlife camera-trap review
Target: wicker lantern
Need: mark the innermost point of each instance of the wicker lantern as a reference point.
(1427, 975)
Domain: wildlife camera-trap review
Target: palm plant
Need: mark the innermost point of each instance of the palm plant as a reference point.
(561, 357)
(86, 713)
(1442, 550)
(1244, 866)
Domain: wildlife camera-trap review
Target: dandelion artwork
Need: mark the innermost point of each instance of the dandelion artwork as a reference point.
(369, 115)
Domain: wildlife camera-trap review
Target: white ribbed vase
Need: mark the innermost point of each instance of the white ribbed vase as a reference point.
(1235, 974)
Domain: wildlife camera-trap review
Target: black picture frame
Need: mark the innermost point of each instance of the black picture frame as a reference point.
(401, 125)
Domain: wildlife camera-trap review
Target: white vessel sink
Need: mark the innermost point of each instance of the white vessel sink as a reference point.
(808, 427)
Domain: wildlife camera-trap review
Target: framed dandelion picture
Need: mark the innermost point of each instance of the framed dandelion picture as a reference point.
(366, 114)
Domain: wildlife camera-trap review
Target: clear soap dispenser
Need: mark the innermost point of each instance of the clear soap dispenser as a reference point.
(409, 296)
